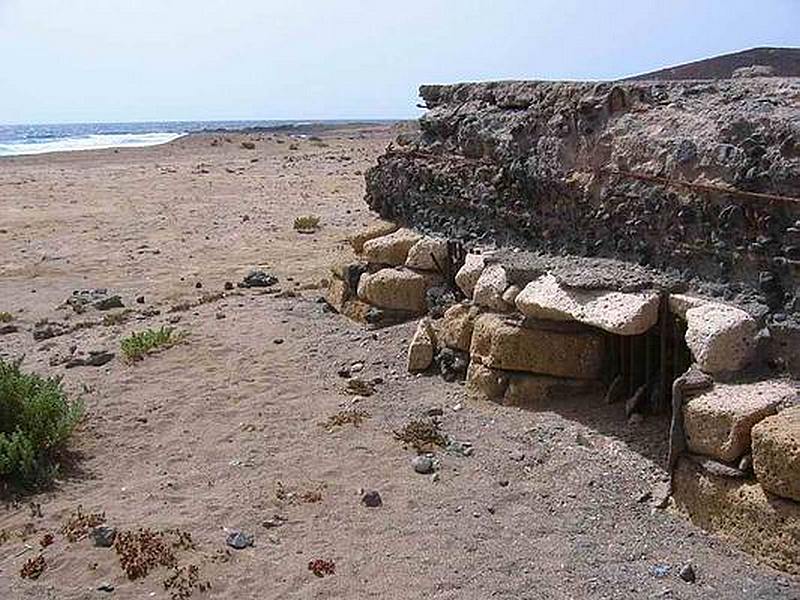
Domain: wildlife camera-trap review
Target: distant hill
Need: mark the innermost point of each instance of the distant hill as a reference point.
(780, 62)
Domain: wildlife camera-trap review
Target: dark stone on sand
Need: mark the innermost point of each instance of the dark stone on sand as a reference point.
(93, 358)
(259, 279)
(371, 499)
(109, 303)
(239, 540)
(103, 537)
(687, 573)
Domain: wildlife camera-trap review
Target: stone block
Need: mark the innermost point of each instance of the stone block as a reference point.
(776, 453)
(718, 422)
(741, 510)
(390, 249)
(396, 289)
(501, 343)
(490, 287)
(485, 383)
(468, 274)
(422, 347)
(455, 328)
(379, 229)
(616, 312)
(428, 254)
(722, 338)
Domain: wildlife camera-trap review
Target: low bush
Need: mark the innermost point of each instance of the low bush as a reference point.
(5, 316)
(36, 419)
(138, 345)
(306, 223)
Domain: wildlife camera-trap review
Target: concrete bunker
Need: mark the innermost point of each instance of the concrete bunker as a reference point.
(637, 242)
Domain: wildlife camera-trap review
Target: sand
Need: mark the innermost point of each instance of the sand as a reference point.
(224, 430)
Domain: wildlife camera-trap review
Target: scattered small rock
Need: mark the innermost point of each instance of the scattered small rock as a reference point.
(48, 329)
(361, 387)
(461, 448)
(220, 315)
(105, 587)
(258, 279)
(277, 341)
(274, 522)
(109, 303)
(198, 285)
(517, 456)
(238, 540)
(93, 358)
(372, 499)
(687, 573)
(140, 299)
(228, 285)
(660, 571)
(103, 537)
(422, 464)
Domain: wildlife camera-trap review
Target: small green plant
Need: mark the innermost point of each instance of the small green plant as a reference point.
(5, 316)
(306, 223)
(139, 344)
(36, 419)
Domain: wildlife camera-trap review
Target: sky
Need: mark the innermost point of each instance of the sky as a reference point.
(139, 60)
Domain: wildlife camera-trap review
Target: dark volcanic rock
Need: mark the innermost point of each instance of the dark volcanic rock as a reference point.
(600, 170)
(259, 279)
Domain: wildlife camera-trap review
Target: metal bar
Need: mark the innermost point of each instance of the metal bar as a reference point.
(703, 187)
(665, 381)
(624, 351)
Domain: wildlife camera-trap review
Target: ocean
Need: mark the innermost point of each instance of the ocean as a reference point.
(38, 139)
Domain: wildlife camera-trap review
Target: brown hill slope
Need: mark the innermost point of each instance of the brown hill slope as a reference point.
(783, 62)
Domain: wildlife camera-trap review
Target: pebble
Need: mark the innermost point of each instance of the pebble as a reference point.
(259, 279)
(238, 540)
(105, 587)
(274, 522)
(103, 537)
(659, 570)
(277, 341)
(220, 315)
(140, 300)
(372, 499)
(503, 483)
(356, 367)
(422, 464)
(687, 573)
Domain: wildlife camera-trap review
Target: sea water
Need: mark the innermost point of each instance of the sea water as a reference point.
(38, 139)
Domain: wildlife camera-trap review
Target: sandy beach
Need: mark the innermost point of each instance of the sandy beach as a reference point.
(226, 430)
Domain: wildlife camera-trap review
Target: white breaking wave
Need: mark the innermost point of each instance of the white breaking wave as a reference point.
(89, 142)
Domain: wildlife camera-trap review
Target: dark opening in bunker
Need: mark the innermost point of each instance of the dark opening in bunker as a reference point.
(642, 368)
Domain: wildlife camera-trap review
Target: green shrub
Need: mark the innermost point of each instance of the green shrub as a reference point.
(5, 316)
(306, 223)
(137, 345)
(36, 419)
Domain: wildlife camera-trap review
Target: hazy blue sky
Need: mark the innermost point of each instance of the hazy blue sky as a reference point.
(118, 60)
